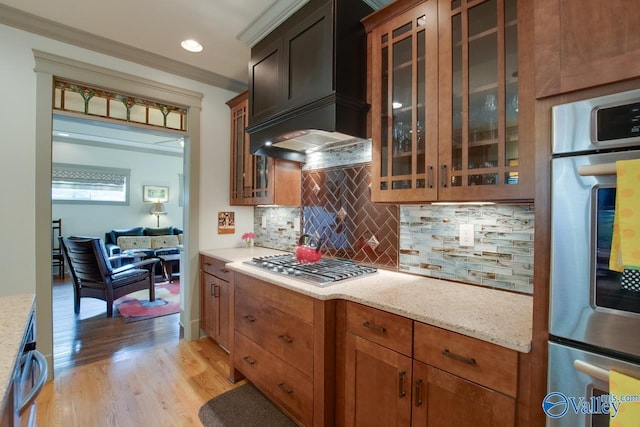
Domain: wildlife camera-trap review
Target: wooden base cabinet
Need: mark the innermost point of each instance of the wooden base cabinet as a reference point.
(400, 372)
(377, 367)
(284, 343)
(215, 300)
(378, 384)
(443, 400)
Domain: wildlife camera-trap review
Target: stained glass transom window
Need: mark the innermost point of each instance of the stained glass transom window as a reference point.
(84, 99)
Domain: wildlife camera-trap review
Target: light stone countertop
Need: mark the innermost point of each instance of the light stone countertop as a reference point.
(500, 317)
(14, 315)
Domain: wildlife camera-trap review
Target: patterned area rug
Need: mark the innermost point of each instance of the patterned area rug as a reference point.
(244, 406)
(136, 306)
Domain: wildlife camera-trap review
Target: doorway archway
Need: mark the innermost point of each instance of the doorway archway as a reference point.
(48, 66)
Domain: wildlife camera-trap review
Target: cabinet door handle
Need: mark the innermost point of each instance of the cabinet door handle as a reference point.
(429, 176)
(401, 390)
(284, 338)
(443, 176)
(249, 361)
(216, 291)
(375, 328)
(468, 360)
(249, 318)
(212, 291)
(284, 388)
(419, 392)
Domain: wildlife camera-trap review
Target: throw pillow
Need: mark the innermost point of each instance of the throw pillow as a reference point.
(164, 241)
(135, 231)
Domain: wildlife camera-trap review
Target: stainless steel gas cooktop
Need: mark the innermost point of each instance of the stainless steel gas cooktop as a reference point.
(324, 272)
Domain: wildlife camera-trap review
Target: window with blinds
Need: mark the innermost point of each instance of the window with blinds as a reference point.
(72, 183)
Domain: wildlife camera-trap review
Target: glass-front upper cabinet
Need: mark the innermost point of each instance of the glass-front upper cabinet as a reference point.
(250, 175)
(404, 102)
(482, 155)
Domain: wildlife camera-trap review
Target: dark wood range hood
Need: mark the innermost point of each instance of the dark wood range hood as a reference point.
(307, 81)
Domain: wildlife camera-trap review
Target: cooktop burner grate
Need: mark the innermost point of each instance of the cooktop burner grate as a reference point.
(323, 272)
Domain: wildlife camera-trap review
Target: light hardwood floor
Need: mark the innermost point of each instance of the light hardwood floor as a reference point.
(109, 373)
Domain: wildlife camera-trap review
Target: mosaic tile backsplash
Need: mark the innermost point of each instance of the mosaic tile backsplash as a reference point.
(418, 239)
(282, 223)
(502, 256)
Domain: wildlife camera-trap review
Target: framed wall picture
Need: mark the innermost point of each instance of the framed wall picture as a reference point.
(226, 223)
(153, 193)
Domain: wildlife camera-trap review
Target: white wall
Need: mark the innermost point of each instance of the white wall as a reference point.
(17, 152)
(146, 169)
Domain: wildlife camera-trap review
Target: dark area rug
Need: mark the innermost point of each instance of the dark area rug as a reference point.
(244, 406)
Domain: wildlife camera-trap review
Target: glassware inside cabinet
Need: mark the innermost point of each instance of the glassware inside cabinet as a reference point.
(484, 94)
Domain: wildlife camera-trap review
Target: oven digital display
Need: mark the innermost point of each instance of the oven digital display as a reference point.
(619, 122)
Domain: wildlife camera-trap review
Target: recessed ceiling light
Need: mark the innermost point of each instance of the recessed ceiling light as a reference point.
(191, 45)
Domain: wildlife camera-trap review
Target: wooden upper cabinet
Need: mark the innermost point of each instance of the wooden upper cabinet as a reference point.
(403, 64)
(486, 101)
(585, 43)
(451, 101)
(255, 179)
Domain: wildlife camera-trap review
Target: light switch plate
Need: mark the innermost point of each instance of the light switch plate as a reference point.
(264, 221)
(466, 235)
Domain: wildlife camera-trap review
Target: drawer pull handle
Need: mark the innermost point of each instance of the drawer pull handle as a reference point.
(379, 329)
(248, 318)
(419, 392)
(223, 270)
(285, 339)
(284, 388)
(249, 360)
(468, 360)
(401, 390)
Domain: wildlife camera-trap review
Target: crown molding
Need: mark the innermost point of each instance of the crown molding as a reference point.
(268, 20)
(63, 33)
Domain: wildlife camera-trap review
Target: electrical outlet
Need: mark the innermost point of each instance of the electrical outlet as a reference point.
(466, 235)
(296, 225)
(264, 221)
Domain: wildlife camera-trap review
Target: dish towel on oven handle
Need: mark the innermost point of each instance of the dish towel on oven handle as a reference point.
(628, 414)
(625, 244)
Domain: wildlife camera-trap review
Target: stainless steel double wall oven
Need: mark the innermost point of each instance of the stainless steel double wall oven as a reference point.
(594, 322)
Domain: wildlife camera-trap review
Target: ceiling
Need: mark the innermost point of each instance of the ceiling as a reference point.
(159, 26)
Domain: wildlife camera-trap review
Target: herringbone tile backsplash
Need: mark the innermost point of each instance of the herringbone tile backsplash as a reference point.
(337, 207)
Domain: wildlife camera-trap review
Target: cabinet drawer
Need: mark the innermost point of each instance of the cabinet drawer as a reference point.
(286, 336)
(479, 361)
(389, 330)
(216, 267)
(285, 384)
(293, 303)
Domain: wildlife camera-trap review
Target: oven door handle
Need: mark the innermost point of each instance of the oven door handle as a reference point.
(32, 357)
(591, 370)
(597, 170)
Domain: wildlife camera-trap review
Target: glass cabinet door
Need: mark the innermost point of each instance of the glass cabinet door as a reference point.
(250, 175)
(404, 106)
(480, 147)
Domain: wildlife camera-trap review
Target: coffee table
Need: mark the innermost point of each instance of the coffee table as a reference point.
(168, 262)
